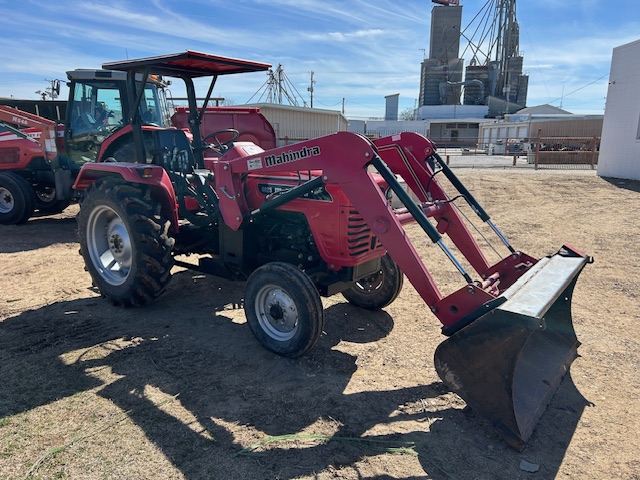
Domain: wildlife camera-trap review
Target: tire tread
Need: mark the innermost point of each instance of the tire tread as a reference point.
(152, 271)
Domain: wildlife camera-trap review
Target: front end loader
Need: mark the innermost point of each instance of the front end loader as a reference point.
(316, 219)
(511, 338)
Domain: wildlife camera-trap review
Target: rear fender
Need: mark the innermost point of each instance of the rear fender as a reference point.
(110, 144)
(154, 176)
(121, 137)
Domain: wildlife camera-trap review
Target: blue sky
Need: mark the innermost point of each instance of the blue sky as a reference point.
(358, 50)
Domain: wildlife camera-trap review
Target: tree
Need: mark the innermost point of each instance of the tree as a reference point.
(408, 114)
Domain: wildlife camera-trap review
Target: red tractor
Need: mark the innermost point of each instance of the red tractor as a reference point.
(28, 152)
(40, 158)
(316, 219)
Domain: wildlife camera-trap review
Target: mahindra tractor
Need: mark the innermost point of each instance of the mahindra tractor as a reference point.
(316, 219)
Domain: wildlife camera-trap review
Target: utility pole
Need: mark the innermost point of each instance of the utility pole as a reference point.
(279, 80)
(52, 92)
(310, 88)
(343, 105)
(55, 88)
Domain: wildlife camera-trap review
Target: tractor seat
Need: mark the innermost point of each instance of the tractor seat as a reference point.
(173, 140)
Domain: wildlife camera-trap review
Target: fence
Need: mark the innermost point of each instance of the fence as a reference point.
(450, 140)
(549, 152)
(565, 151)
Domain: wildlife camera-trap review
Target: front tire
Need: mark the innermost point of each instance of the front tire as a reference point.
(283, 309)
(124, 242)
(379, 289)
(46, 201)
(16, 199)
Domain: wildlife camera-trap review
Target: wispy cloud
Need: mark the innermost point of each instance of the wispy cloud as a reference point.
(359, 34)
(359, 50)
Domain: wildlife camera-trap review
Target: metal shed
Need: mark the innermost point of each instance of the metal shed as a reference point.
(295, 124)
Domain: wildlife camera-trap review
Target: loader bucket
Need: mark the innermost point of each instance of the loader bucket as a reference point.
(508, 363)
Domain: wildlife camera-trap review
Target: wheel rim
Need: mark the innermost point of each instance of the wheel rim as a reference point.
(277, 313)
(46, 195)
(370, 283)
(109, 245)
(7, 202)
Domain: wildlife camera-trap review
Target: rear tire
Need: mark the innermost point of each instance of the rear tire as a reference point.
(124, 242)
(16, 199)
(283, 309)
(379, 289)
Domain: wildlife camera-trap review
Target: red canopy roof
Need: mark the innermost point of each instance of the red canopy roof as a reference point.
(190, 64)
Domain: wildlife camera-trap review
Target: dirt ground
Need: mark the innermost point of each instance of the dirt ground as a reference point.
(180, 388)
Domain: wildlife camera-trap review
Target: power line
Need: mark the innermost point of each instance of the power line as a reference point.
(578, 89)
(531, 44)
(362, 105)
(328, 105)
(277, 87)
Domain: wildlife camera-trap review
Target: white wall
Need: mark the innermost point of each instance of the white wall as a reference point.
(383, 128)
(620, 145)
(431, 112)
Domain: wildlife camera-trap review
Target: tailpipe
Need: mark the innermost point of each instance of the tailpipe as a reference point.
(507, 364)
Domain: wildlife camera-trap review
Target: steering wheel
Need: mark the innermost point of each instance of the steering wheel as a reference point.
(221, 146)
(109, 128)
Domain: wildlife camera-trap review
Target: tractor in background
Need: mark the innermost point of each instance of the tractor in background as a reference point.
(40, 158)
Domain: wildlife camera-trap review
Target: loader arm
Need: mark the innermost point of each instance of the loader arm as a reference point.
(47, 128)
(414, 158)
(407, 155)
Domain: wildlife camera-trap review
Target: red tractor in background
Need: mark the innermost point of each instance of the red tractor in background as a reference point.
(40, 158)
(316, 219)
(28, 157)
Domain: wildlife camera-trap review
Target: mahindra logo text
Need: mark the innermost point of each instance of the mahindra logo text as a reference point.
(291, 156)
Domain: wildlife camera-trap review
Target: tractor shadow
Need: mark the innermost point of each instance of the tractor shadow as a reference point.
(38, 232)
(192, 344)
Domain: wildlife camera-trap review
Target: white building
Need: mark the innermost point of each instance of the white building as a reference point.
(620, 146)
(450, 132)
(550, 121)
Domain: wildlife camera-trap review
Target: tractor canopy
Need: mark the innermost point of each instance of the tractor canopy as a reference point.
(189, 64)
(186, 65)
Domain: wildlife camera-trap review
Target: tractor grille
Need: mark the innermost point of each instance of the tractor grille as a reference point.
(360, 240)
(9, 155)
